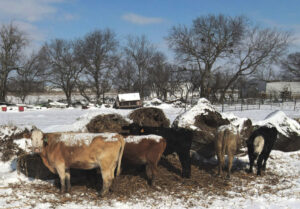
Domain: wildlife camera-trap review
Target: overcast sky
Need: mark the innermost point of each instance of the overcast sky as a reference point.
(44, 20)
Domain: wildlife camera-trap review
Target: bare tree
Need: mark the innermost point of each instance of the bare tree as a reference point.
(258, 49)
(98, 53)
(210, 39)
(126, 78)
(159, 75)
(63, 65)
(12, 42)
(139, 52)
(291, 66)
(29, 78)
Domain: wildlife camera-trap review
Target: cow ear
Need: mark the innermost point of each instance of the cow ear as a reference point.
(142, 130)
(45, 139)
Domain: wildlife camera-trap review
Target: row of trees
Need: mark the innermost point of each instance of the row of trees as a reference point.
(214, 54)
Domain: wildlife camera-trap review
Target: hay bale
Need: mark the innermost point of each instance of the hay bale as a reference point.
(150, 116)
(33, 166)
(204, 120)
(107, 123)
(8, 148)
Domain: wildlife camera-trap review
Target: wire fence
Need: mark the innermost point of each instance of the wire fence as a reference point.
(258, 105)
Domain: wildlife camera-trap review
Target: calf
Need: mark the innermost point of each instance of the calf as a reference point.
(179, 140)
(260, 144)
(62, 151)
(227, 142)
(144, 150)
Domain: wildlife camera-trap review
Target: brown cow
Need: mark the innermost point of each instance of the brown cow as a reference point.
(144, 150)
(227, 142)
(62, 151)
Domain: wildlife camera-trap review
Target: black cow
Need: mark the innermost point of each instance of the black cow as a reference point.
(179, 140)
(260, 144)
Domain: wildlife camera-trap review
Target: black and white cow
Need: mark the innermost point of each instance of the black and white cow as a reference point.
(260, 144)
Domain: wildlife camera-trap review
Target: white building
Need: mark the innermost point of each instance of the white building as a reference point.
(275, 88)
(129, 100)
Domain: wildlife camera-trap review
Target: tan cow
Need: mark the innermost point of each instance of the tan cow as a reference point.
(62, 151)
(144, 150)
(227, 143)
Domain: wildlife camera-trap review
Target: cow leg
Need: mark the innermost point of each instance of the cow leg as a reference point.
(264, 165)
(68, 181)
(230, 160)
(107, 181)
(185, 161)
(107, 170)
(259, 164)
(150, 173)
(266, 157)
(251, 161)
(62, 176)
(221, 163)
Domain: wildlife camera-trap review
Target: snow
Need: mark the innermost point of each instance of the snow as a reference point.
(137, 139)
(129, 97)
(285, 167)
(229, 127)
(187, 119)
(283, 124)
(72, 139)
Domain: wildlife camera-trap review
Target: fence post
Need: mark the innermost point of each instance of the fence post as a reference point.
(223, 106)
(295, 104)
(242, 106)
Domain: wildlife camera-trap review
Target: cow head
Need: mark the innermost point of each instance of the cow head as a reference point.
(258, 145)
(37, 140)
(134, 129)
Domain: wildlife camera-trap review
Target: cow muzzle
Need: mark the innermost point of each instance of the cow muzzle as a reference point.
(36, 149)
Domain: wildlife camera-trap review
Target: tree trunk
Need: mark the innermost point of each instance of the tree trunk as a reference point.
(227, 86)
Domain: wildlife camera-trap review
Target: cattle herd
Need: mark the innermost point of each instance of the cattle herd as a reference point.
(142, 145)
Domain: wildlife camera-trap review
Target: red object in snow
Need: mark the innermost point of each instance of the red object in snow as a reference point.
(21, 109)
(4, 109)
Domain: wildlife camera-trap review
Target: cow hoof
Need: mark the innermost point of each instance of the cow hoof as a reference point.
(185, 175)
(228, 177)
(103, 193)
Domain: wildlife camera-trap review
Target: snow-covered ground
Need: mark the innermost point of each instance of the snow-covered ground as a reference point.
(279, 187)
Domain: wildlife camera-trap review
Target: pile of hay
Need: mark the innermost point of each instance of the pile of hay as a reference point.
(8, 148)
(33, 166)
(150, 116)
(107, 123)
(204, 119)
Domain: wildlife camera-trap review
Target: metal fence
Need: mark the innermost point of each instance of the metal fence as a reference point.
(258, 105)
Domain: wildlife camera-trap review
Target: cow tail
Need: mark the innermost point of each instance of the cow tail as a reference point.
(120, 155)
(224, 141)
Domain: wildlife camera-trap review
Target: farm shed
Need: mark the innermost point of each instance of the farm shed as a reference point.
(129, 100)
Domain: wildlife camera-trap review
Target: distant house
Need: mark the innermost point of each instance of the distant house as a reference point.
(127, 101)
(282, 88)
